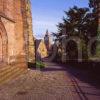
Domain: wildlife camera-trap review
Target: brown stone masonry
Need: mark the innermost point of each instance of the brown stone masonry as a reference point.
(15, 32)
(28, 33)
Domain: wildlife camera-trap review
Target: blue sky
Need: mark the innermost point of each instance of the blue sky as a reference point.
(47, 13)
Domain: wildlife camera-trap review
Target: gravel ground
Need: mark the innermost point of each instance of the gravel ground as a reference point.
(52, 83)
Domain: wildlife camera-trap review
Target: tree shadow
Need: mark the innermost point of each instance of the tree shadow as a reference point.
(87, 72)
(53, 69)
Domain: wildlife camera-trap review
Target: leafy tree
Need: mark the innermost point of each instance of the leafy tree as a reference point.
(80, 22)
(95, 5)
(77, 19)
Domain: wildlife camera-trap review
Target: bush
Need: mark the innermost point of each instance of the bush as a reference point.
(40, 64)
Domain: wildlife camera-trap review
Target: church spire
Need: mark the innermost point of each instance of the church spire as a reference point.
(47, 40)
(47, 32)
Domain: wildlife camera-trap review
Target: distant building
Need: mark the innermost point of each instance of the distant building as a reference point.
(41, 48)
(47, 40)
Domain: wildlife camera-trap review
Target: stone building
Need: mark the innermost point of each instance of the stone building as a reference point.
(16, 40)
(47, 40)
(41, 48)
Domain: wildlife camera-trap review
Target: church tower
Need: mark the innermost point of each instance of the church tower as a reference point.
(47, 40)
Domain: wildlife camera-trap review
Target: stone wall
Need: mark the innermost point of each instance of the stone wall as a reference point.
(15, 32)
(28, 32)
(31, 49)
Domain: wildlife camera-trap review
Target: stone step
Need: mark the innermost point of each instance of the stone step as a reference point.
(7, 70)
(14, 71)
(12, 76)
(9, 73)
(3, 68)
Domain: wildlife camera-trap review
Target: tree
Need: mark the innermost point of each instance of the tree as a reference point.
(95, 4)
(80, 22)
(76, 17)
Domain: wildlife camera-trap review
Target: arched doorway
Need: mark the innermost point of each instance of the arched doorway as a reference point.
(3, 44)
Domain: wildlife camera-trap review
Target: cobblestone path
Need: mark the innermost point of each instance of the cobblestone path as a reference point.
(52, 83)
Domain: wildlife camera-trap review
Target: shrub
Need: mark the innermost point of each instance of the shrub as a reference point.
(40, 64)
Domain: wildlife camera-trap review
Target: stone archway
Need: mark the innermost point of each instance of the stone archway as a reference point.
(72, 50)
(3, 43)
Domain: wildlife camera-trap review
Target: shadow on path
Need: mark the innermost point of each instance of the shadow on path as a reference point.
(81, 71)
(54, 69)
(85, 72)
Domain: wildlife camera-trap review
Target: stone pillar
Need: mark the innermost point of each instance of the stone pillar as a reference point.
(31, 50)
(28, 33)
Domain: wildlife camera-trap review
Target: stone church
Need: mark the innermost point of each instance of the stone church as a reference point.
(47, 40)
(16, 39)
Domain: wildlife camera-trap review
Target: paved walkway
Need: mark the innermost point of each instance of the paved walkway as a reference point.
(53, 83)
